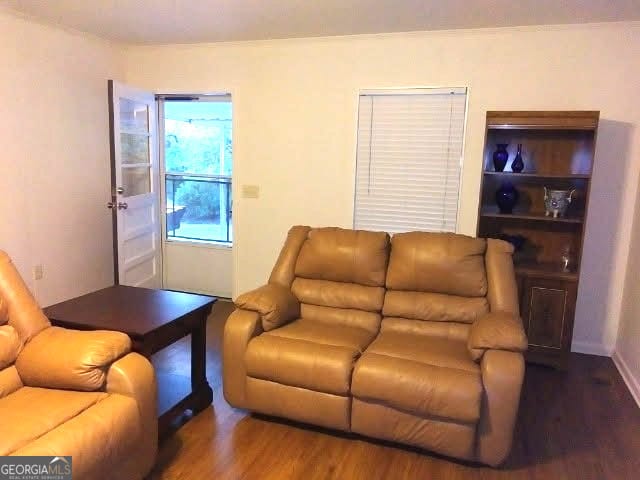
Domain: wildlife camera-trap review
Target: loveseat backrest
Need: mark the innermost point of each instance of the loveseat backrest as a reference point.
(436, 284)
(20, 319)
(431, 283)
(348, 256)
(338, 274)
(445, 263)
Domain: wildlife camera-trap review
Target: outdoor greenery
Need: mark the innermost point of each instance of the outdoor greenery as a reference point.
(201, 147)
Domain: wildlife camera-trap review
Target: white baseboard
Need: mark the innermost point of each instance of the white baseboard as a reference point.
(591, 348)
(632, 383)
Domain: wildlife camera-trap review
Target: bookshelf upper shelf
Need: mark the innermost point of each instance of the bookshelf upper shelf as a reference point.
(538, 127)
(531, 120)
(543, 176)
(535, 216)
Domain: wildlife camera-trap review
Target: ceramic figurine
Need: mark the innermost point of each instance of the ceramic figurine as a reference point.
(556, 202)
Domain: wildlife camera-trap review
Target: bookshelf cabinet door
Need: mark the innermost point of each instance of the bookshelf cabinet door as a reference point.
(547, 313)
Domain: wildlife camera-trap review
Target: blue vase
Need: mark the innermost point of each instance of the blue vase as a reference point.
(518, 165)
(500, 157)
(506, 197)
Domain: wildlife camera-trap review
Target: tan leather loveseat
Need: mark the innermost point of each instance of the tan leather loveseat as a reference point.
(414, 339)
(65, 392)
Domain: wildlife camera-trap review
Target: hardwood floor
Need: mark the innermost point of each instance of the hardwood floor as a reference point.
(581, 424)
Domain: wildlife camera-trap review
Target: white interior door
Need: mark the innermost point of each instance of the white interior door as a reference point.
(135, 186)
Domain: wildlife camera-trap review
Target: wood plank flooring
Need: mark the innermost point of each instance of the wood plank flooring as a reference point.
(581, 424)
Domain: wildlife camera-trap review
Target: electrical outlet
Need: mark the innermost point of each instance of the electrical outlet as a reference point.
(38, 272)
(250, 191)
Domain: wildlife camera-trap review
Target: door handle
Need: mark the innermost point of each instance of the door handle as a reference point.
(111, 205)
(122, 205)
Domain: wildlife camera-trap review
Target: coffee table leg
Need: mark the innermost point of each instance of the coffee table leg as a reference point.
(202, 392)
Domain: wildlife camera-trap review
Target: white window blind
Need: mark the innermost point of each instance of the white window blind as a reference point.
(408, 159)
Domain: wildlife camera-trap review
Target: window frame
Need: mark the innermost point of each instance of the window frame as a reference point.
(184, 241)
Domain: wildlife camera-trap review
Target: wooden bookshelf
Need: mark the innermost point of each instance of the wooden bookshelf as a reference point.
(558, 152)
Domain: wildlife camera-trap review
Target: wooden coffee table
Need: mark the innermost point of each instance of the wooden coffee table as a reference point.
(154, 319)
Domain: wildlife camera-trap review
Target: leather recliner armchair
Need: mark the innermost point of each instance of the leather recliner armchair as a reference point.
(66, 392)
(415, 339)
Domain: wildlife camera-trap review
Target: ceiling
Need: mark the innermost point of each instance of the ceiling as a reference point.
(194, 21)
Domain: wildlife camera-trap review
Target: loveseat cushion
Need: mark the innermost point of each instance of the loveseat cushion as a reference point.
(430, 378)
(446, 330)
(349, 317)
(341, 255)
(29, 413)
(338, 294)
(103, 439)
(434, 307)
(308, 354)
(440, 352)
(439, 263)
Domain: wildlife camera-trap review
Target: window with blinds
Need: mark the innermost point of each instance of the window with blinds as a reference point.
(409, 159)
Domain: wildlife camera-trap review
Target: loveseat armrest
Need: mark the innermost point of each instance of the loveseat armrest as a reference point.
(241, 327)
(70, 359)
(133, 376)
(496, 331)
(502, 378)
(275, 304)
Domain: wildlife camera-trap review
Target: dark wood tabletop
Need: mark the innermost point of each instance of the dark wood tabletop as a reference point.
(131, 310)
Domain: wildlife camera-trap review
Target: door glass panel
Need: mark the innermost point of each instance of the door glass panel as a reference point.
(198, 137)
(134, 148)
(136, 181)
(134, 116)
(198, 159)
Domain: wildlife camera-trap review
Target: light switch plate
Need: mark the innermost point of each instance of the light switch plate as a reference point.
(38, 272)
(250, 191)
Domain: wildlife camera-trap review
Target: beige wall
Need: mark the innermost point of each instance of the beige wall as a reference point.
(295, 113)
(627, 355)
(54, 156)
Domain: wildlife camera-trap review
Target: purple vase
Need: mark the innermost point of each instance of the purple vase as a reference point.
(506, 197)
(518, 164)
(500, 157)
